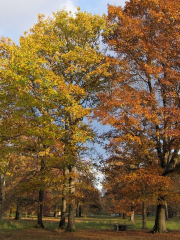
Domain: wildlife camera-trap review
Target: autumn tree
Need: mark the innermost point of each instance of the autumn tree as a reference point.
(53, 76)
(128, 187)
(21, 72)
(143, 104)
(10, 124)
(70, 46)
(29, 96)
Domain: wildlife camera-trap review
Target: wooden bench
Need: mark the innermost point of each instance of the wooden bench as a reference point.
(119, 227)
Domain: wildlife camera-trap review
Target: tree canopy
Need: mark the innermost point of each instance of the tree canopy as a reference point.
(143, 104)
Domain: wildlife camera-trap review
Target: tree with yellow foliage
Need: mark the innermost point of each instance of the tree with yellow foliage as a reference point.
(53, 76)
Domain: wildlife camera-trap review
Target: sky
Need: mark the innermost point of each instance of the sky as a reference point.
(18, 16)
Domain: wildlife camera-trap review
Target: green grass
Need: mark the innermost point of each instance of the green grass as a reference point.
(94, 222)
(107, 222)
(13, 224)
(24, 229)
(173, 224)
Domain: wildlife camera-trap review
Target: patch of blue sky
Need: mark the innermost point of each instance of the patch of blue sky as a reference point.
(18, 16)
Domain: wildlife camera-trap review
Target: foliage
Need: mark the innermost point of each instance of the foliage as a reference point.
(48, 84)
(143, 105)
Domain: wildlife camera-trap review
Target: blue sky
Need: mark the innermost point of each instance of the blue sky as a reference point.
(17, 16)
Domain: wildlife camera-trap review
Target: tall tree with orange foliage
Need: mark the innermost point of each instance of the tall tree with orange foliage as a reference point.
(143, 106)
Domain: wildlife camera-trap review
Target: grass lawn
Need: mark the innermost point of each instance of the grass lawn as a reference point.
(90, 228)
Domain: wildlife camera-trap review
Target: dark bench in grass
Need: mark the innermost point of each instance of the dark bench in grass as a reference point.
(119, 227)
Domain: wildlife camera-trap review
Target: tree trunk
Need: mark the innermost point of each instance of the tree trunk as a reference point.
(71, 218)
(132, 217)
(10, 212)
(132, 214)
(77, 210)
(17, 212)
(166, 211)
(55, 213)
(41, 196)
(40, 209)
(2, 197)
(160, 223)
(144, 215)
(62, 222)
(80, 211)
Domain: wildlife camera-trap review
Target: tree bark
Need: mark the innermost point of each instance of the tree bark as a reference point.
(160, 223)
(41, 196)
(132, 215)
(2, 197)
(55, 211)
(78, 210)
(144, 215)
(40, 209)
(71, 218)
(62, 222)
(166, 211)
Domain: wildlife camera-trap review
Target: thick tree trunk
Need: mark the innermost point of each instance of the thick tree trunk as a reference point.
(41, 196)
(71, 218)
(144, 215)
(62, 223)
(40, 209)
(2, 197)
(160, 222)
